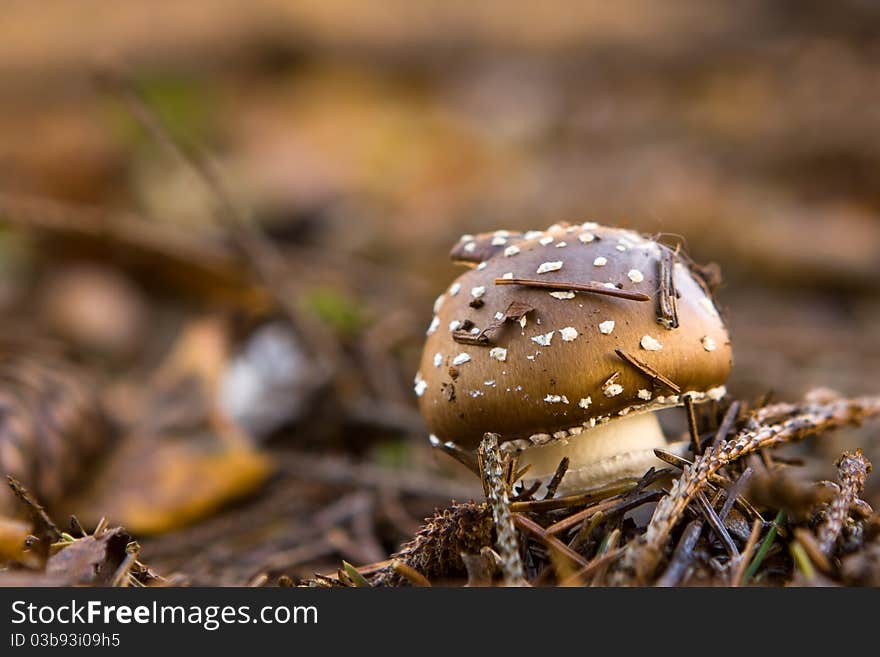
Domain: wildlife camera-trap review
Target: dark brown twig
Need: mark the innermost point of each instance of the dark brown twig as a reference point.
(668, 305)
(648, 371)
(561, 469)
(594, 288)
(529, 526)
(693, 429)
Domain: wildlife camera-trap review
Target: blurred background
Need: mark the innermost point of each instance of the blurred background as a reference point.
(263, 357)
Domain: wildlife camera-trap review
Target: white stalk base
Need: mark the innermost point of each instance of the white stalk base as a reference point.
(621, 449)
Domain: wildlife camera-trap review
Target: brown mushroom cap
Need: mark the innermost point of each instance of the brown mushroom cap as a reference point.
(561, 372)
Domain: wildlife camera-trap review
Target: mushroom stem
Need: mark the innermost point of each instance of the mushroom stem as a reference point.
(610, 452)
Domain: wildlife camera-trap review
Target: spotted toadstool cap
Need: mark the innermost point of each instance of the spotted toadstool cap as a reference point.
(551, 332)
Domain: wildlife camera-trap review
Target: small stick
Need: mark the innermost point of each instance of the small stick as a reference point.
(46, 529)
(609, 506)
(734, 492)
(683, 555)
(561, 469)
(599, 562)
(531, 527)
(692, 424)
(717, 525)
(594, 288)
(811, 546)
(648, 371)
(538, 506)
(467, 459)
(727, 423)
(746, 554)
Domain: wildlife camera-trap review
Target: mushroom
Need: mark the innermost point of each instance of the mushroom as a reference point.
(579, 335)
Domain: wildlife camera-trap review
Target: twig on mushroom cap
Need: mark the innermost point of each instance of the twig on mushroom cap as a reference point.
(807, 420)
(595, 288)
(647, 370)
(505, 530)
(668, 316)
(852, 470)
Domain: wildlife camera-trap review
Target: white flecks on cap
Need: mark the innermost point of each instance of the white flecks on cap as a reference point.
(475, 331)
(438, 303)
(467, 237)
(434, 440)
(461, 359)
(420, 385)
(586, 238)
(650, 344)
(476, 393)
(709, 343)
(432, 327)
(606, 327)
(644, 394)
(589, 225)
(556, 399)
(499, 315)
(585, 402)
(612, 390)
(544, 339)
(482, 265)
(511, 250)
(601, 261)
(635, 275)
(490, 383)
(454, 325)
(470, 246)
(532, 234)
(540, 438)
(568, 334)
(478, 291)
(507, 275)
(454, 289)
(610, 286)
(550, 266)
(562, 295)
(547, 239)
(560, 245)
(499, 240)
(498, 353)
(438, 359)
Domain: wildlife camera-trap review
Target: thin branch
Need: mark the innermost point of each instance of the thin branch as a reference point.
(594, 288)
